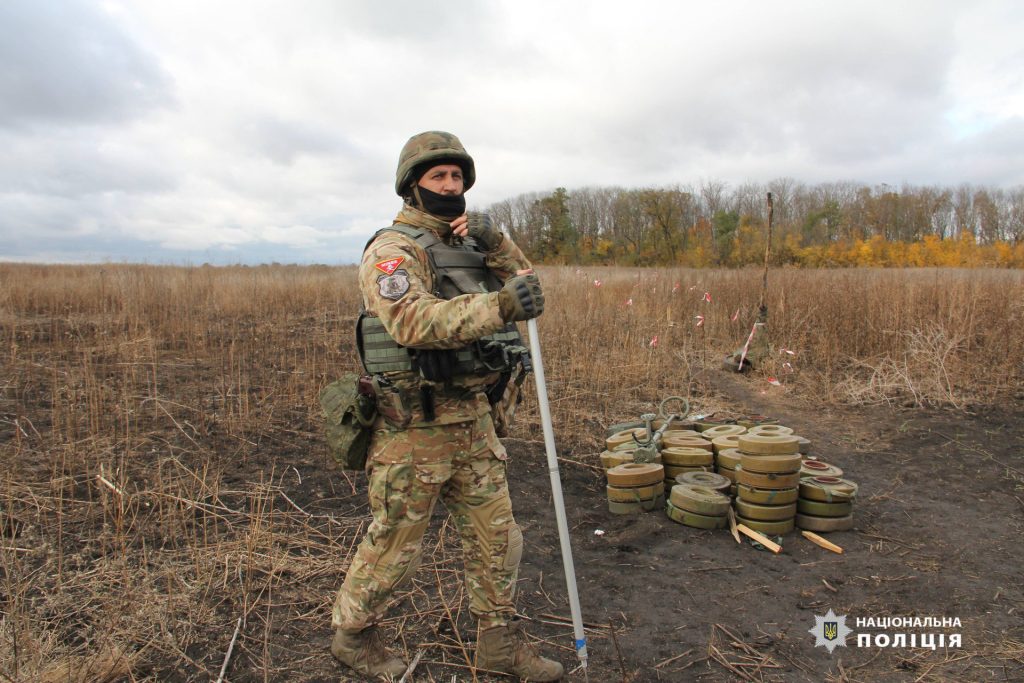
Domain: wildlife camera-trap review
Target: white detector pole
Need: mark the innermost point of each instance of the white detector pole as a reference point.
(556, 490)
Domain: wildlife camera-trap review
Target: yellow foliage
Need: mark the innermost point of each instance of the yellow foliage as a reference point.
(960, 252)
(604, 248)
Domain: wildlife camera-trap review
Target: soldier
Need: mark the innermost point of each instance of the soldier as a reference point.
(441, 293)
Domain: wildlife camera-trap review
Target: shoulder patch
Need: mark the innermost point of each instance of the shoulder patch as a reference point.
(390, 265)
(395, 285)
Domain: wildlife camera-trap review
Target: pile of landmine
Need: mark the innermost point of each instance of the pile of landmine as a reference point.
(758, 467)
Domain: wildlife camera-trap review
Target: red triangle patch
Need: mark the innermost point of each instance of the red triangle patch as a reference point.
(389, 266)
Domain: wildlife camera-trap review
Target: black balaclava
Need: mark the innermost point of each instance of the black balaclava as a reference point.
(449, 206)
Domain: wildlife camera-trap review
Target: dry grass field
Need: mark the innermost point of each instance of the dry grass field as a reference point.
(163, 485)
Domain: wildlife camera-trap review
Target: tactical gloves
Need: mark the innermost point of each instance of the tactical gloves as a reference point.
(521, 298)
(481, 229)
(437, 365)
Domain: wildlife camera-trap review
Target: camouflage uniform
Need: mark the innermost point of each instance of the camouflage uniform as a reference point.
(456, 457)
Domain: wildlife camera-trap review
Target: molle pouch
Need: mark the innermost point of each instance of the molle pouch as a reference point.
(503, 405)
(348, 421)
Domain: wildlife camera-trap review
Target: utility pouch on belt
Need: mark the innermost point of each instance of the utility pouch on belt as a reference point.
(506, 395)
(348, 419)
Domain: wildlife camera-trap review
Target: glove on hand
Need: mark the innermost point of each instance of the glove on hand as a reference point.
(521, 298)
(480, 228)
(436, 365)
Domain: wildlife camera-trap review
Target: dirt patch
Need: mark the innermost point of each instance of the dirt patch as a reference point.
(939, 510)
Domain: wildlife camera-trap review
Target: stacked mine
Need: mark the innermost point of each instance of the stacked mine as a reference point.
(826, 503)
(697, 506)
(767, 480)
(636, 487)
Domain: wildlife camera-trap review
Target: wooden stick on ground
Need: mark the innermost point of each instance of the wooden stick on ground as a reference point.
(618, 653)
(732, 526)
(231, 647)
(760, 538)
(818, 540)
(407, 676)
(668, 661)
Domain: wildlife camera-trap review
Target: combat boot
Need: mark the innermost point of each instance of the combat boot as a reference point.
(506, 649)
(364, 651)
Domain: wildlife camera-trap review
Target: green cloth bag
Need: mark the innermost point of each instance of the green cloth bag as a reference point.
(348, 421)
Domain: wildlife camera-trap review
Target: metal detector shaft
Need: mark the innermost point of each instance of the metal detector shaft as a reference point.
(556, 491)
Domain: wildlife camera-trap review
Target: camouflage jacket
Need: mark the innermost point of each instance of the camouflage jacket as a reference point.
(397, 286)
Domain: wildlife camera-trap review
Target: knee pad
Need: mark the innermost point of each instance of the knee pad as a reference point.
(514, 548)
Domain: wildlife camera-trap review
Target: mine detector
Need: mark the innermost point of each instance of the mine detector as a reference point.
(755, 350)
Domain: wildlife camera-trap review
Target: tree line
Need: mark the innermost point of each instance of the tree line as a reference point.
(832, 224)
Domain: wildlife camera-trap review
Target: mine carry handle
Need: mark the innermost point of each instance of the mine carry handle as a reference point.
(653, 438)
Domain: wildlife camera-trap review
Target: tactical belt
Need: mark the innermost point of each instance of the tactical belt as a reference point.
(380, 352)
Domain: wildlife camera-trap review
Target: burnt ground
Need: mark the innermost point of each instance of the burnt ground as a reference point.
(938, 523)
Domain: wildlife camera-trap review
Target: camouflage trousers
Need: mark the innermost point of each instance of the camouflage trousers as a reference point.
(463, 464)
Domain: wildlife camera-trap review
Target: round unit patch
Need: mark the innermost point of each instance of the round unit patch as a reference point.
(394, 286)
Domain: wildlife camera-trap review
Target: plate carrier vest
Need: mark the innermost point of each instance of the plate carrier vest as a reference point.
(456, 270)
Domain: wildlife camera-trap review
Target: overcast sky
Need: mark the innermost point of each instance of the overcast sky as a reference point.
(188, 131)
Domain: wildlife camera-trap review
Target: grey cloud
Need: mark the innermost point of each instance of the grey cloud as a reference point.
(103, 248)
(992, 157)
(283, 140)
(411, 20)
(82, 161)
(98, 228)
(68, 62)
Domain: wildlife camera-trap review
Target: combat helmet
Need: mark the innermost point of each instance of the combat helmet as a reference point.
(436, 146)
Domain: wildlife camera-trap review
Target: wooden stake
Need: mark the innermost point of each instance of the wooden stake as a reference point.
(760, 538)
(732, 526)
(818, 540)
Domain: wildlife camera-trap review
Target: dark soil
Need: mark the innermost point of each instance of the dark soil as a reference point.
(938, 522)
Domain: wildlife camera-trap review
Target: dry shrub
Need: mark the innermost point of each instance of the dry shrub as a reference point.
(106, 666)
(927, 336)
